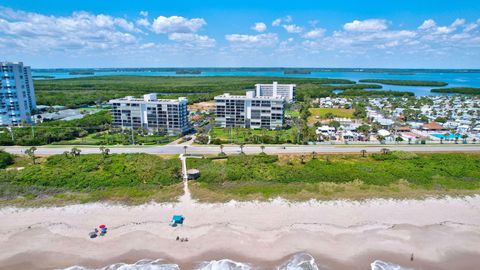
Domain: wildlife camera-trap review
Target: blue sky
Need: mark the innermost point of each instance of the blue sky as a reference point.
(147, 33)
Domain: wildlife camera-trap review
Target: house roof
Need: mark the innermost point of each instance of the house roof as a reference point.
(433, 126)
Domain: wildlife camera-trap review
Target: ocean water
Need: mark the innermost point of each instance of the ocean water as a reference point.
(454, 79)
(301, 261)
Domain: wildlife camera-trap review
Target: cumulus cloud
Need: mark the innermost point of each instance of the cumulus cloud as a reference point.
(277, 22)
(259, 27)
(370, 25)
(81, 30)
(260, 40)
(143, 22)
(292, 28)
(315, 33)
(427, 24)
(192, 40)
(176, 24)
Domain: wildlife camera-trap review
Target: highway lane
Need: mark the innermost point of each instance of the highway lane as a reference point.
(251, 149)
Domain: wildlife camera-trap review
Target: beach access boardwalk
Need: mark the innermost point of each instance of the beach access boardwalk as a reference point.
(250, 149)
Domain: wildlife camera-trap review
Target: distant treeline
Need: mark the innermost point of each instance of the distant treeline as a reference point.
(458, 90)
(405, 82)
(78, 92)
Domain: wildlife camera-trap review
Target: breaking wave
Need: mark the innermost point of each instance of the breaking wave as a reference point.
(300, 261)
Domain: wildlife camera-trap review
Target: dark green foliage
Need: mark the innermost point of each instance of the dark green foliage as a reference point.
(405, 82)
(5, 159)
(92, 90)
(458, 90)
(54, 131)
(89, 172)
(452, 171)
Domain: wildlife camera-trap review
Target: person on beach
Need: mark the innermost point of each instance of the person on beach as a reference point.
(411, 258)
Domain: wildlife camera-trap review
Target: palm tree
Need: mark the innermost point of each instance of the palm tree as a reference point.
(263, 149)
(242, 145)
(364, 152)
(31, 153)
(185, 149)
(221, 149)
(464, 137)
(105, 151)
(385, 151)
(302, 159)
(314, 155)
(66, 153)
(75, 152)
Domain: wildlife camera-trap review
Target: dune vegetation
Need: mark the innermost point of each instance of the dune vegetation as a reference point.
(302, 177)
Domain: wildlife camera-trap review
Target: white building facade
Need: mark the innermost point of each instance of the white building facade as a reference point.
(17, 94)
(286, 91)
(155, 115)
(249, 111)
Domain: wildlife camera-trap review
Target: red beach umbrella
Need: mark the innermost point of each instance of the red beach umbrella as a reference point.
(102, 226)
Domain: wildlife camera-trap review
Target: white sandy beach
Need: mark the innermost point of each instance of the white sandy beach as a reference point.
(441, 233)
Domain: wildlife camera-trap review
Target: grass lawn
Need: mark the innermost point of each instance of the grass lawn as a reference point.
(320, 113)
(255, 136)
(395, 175)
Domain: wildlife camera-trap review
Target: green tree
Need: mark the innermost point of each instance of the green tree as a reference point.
(75, 152)
(31, 153)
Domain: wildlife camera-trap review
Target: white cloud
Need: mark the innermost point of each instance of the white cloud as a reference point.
(371, 25)
(458, 22)
(260, 40)
(177, 24)
(259, 27)
(427, 24)
(81, 30)
(292, 28)
(431, 27)
(277, 22)
(143, 22)
(144, 13)
(192, 40)
(314, 34)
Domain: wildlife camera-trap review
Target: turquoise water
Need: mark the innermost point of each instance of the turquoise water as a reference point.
(454, 79)
(450, 136)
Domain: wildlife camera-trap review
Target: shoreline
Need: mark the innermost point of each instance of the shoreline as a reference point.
(442, 233)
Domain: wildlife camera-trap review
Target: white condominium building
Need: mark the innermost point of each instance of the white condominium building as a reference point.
(286, 91)
(249, 111)
(17, 95)
(156, 115)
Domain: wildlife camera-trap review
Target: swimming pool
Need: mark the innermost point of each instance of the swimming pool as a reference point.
(450, 136)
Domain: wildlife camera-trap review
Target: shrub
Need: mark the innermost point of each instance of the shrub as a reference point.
(5, 159)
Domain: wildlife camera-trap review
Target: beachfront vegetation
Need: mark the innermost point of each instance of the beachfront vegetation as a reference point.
(136, 178)
(78, 92)
(93, 177)
(405, 82)
(387, 174)
(458, 90)
(6, 159)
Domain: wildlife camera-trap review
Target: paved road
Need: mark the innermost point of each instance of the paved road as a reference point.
(178, 149)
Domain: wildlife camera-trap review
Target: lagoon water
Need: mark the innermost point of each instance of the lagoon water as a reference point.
(454, 79)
